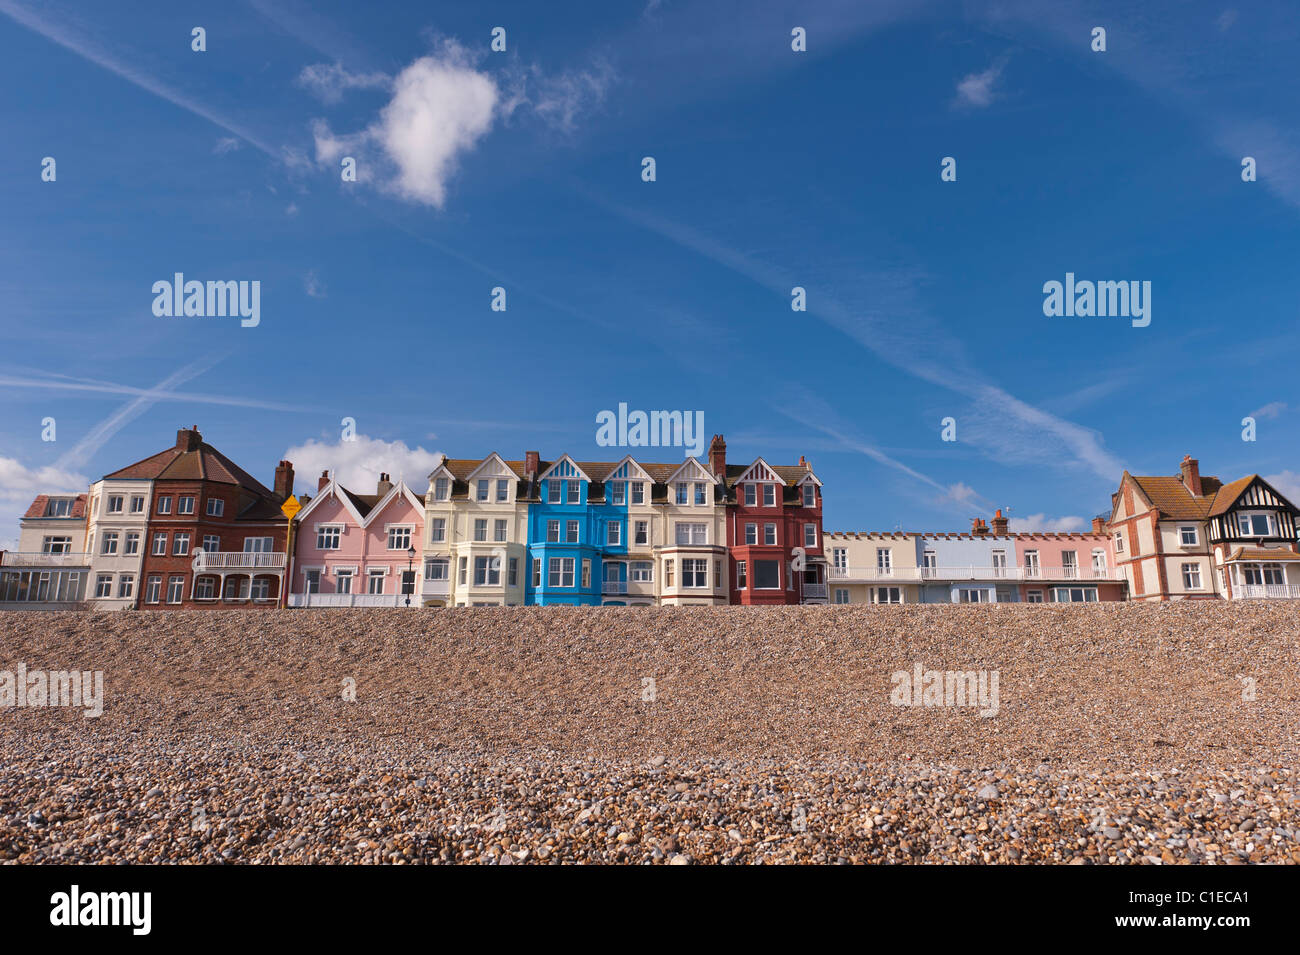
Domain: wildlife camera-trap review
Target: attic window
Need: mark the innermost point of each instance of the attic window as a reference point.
(59, 507)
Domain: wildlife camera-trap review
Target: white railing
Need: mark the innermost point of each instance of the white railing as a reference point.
(355, 600)
(814, 591)
(238, 560)
(36, 558)
(613, 587)
(1265, 591)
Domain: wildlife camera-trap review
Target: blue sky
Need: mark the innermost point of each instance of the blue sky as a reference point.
(522, 169)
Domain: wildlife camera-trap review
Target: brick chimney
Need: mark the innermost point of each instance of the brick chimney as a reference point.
(532, 464)
(384, 485)
(999, 523)
(978, 527)
(1099, 525)
(323, 481)
(1191, 469)
(188, 439)
(284, 479)
(718, 456)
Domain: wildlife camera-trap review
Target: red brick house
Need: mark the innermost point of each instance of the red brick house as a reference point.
(774, 530)
(215, 535)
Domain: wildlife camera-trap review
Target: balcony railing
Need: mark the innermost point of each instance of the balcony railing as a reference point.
(36, 558)
(613, 587)
(355, 600)
(972, 572)
(814, 591)
(1265, 591)
(238, 560)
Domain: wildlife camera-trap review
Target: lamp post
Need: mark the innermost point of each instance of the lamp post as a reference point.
(410, 574)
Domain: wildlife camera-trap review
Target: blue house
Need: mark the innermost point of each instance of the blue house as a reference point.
(967, 568)
(565, 537)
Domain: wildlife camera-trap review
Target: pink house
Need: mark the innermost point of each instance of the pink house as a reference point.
(358, 550)
(1068, 567)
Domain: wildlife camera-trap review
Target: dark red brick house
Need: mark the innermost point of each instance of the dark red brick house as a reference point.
(215, 534)
(774, 530)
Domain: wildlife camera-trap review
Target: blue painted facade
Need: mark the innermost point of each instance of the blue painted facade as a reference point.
(566, 534)
(966, 567)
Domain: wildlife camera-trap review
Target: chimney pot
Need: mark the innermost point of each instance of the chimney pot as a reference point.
(322, 481)
(1000, 524)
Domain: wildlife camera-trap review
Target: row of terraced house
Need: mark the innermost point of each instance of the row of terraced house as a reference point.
(187, 527)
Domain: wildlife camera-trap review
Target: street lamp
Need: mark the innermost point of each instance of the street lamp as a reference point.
(410, 575)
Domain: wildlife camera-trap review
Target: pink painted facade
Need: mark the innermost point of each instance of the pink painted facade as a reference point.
(1068, 568)
(356, 550)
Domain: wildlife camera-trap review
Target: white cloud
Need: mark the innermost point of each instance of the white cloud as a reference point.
(312, 285)
(1041, 523)
(291, 209)
(329, 81)
(441, 107)
(357, 463)
(20, 484)
(226, 144)
(975, 90)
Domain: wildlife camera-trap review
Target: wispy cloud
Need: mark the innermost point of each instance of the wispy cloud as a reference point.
(312, 285)
(102, 433)
(1041, 523)
(892, 324)
(67, 36)
(1271, 410)
(90, 385)
(329, 81)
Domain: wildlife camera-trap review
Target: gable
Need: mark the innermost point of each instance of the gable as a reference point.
(564, 468)
(692, 470)
(493, 466)
(629, 470)
(759, 472)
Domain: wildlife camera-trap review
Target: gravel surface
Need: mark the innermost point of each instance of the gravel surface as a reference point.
(1123, 733)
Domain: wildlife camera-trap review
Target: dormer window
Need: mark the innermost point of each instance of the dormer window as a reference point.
(809, 496)
(618, 493)
(61, 507)
(683, 492)
(553, 491)
(481, 491)
(575, 491)
(638, 492)
(699, 495)
(769, 495)
(751, 495)
(503, 490)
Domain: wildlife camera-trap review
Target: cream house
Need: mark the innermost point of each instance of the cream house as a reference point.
(476, 533)
(876, 568)
(117, 519)
(692, 557)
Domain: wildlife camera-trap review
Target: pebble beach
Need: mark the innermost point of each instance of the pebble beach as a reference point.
(1123, 734)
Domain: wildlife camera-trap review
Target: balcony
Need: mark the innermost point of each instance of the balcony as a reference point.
(355, 600)
(1265, 592)
(36, 558)
(613, 587)
(219, 560)
(814, 592)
